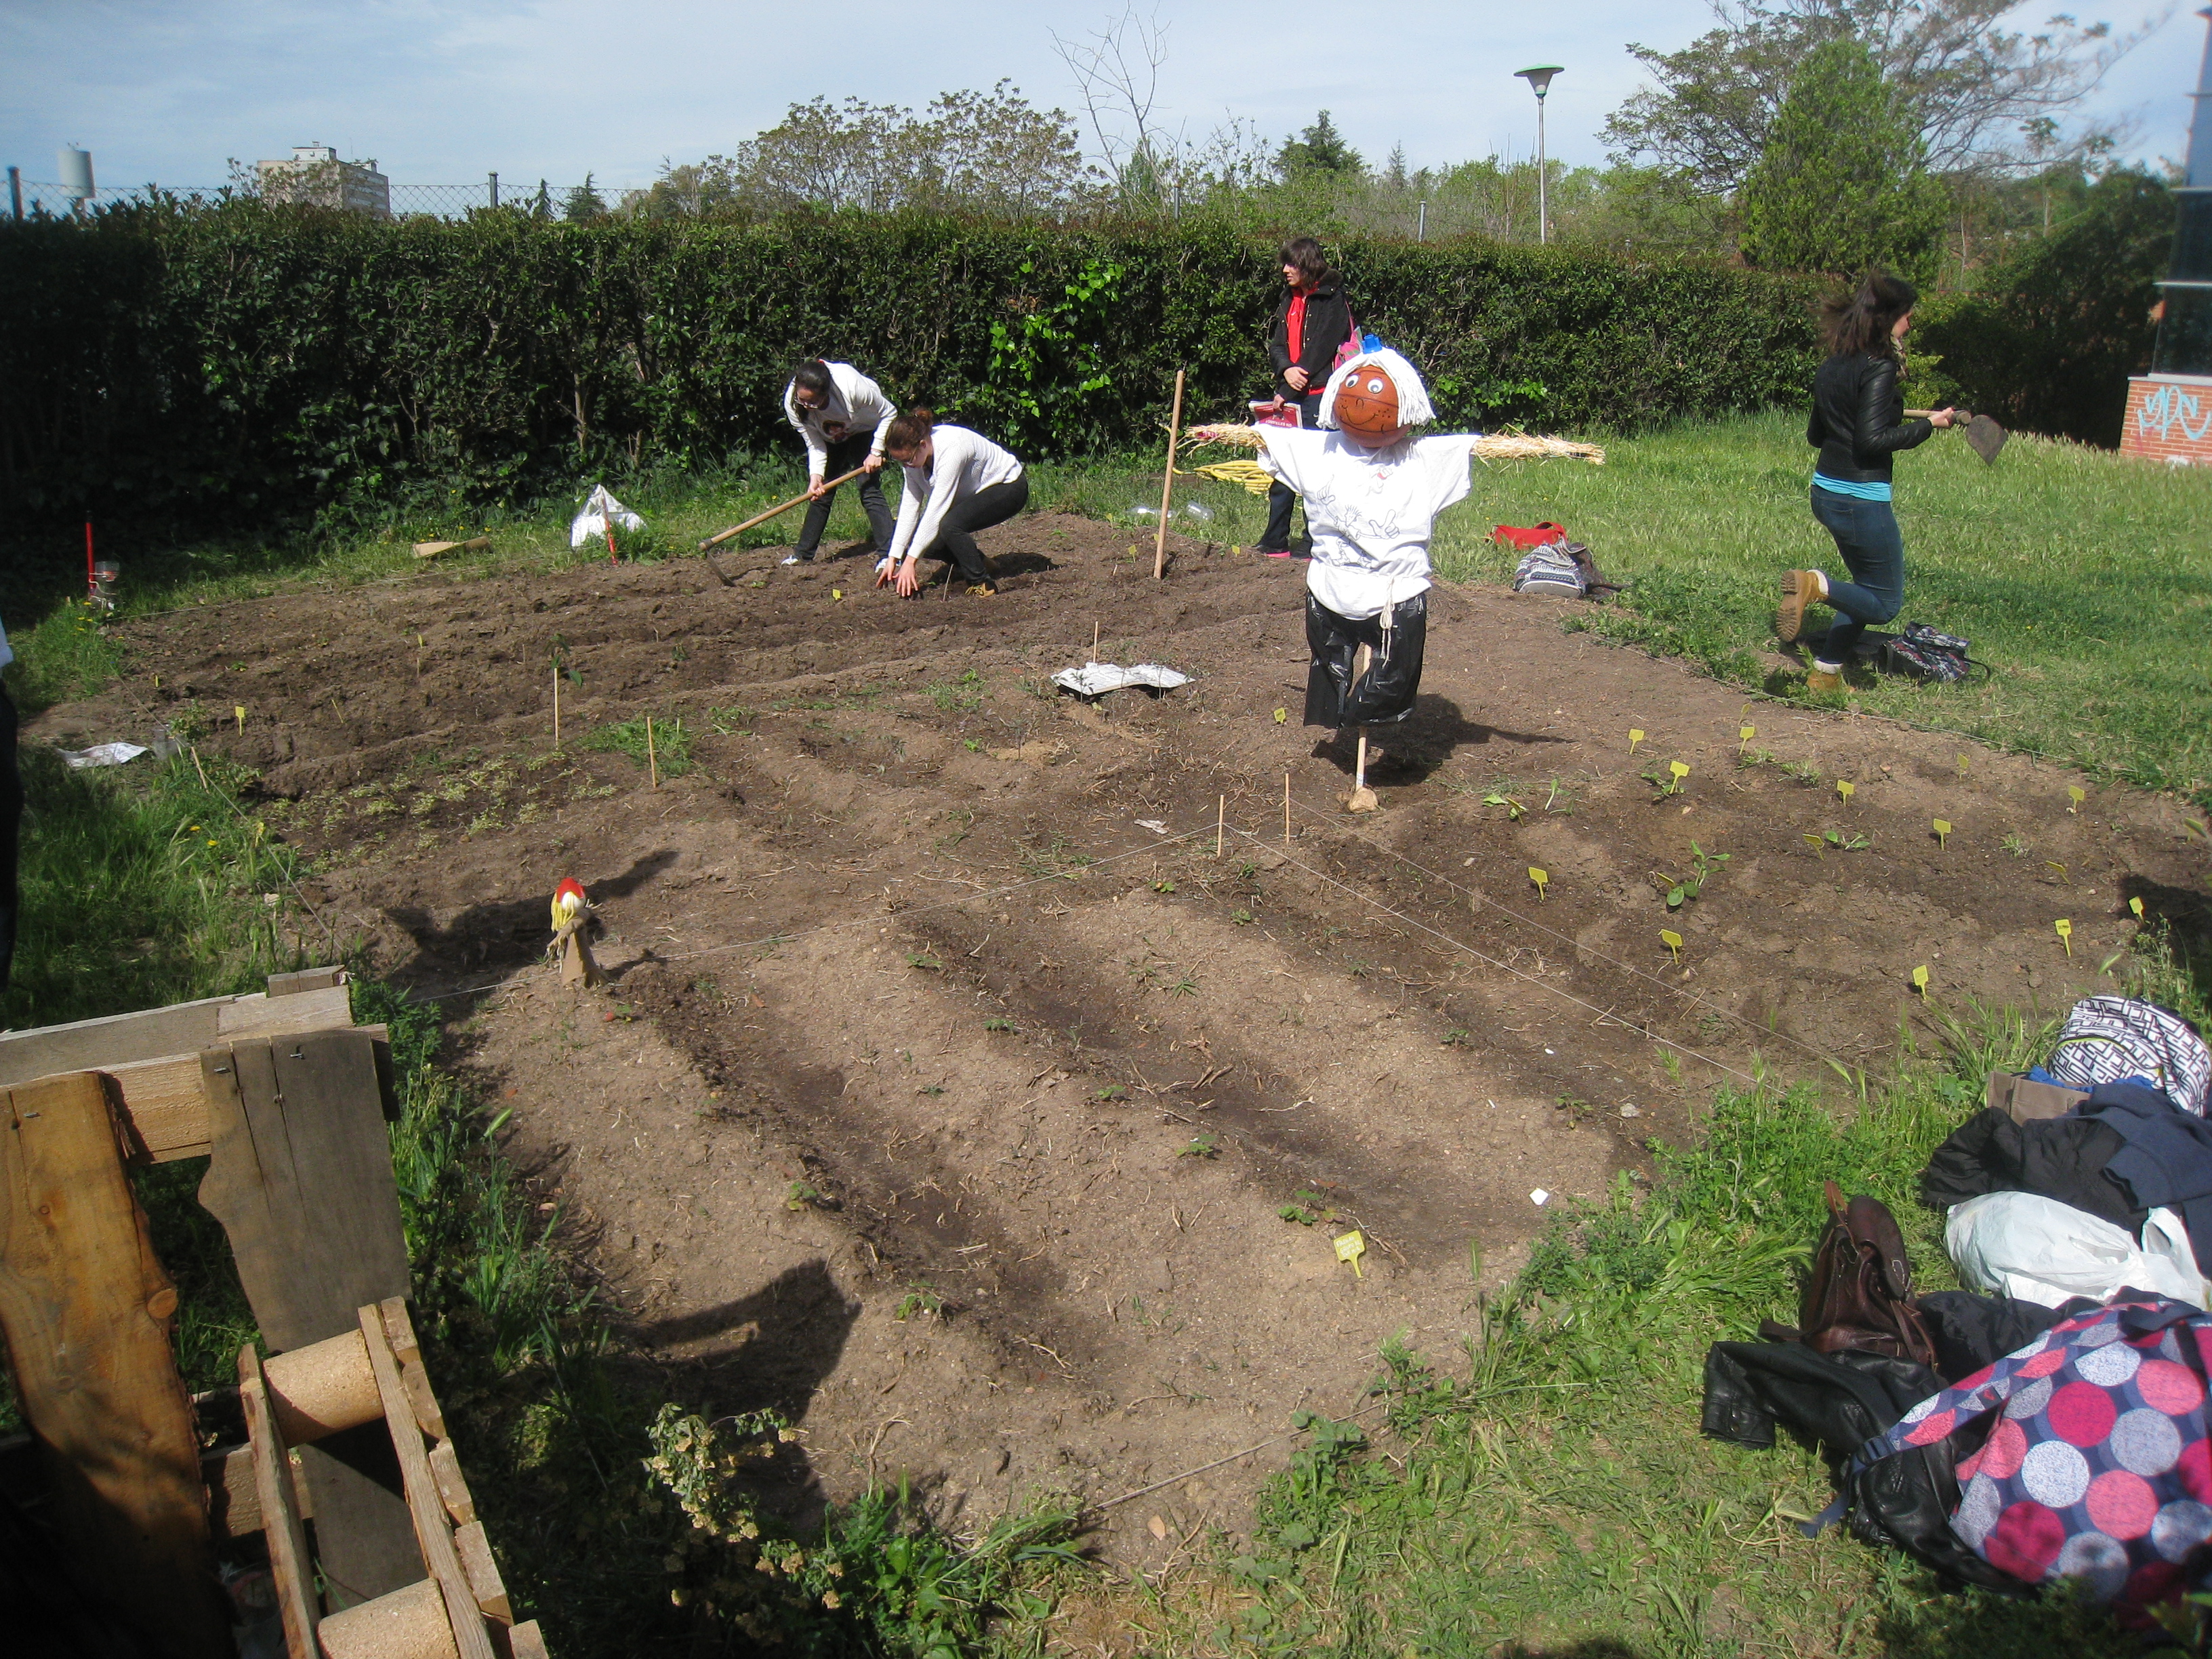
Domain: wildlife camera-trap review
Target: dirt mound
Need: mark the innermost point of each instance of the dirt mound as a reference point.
(953, 1094)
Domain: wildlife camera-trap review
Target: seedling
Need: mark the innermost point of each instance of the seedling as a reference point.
(999, 1023)
(919, 1300)
(1635, 737)
(1541, 877)
(1704, 867)
(800, 1196)
(1558, 793)
(1842, 843)
(1920, 979)
(2135, 905)
(2014, 845)
(1943, 833)
(922, 959)
(2105, 966)
(1962, 766)
(1744, 734)
(1668, 784)
(1163, 887)
(1350, 1247)
(1846, 789)
(1112, 1091)
(2075, 795)
(1513, 809)
(2065, 927)
(2053, 864)
(1672, 941)
(1201, 1145)
(1458, 1037)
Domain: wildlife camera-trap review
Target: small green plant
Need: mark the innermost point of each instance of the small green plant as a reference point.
(1667, 782)
(1307, 1209)
(923, 960)
(1112, 1091)
(1242, 917)
(1515, 811)
(1458, 1037)
(1803, 772)
(1163, 887)
(1202, 1145)
(919, 1299)
(1704, 867)
(735, 719)
(999, 1023)
(1843, 842)
(2015, 845)
(1558, 798)
(800, 1196)
(671, 743)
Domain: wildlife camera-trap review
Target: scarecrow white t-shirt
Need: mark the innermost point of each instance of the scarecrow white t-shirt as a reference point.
(1371, 510)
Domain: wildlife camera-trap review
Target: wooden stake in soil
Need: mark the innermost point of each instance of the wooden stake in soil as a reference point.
(1362, 799)
(557, 702)
(651, 760)
(1167, 484)
(1220, 812)
(1286, 809)
(1094, 641)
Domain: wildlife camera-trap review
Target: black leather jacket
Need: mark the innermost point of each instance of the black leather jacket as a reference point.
(1328, 323)
(1858, 418)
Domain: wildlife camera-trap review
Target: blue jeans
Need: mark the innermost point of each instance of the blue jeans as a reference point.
(1867, 535)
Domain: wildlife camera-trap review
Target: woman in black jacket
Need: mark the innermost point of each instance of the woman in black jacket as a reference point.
(1858, 423)
(1313, 319)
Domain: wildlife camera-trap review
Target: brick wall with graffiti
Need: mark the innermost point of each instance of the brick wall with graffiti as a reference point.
(2168, 420)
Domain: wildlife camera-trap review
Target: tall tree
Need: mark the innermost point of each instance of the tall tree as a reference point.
(1843, 183)
(1975, 86)
(1320, 148)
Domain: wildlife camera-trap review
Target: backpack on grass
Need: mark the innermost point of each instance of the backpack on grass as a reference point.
(1925, 654)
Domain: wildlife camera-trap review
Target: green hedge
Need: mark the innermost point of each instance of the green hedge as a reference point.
(227, 365)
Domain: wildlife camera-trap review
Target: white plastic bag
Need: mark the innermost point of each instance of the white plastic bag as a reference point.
(102, 754)
(2026, 1245)
(1095, 680)
(591, 524)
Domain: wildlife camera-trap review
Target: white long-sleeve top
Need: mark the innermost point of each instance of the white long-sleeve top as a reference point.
(1371, 510)
(962, 464)
(855, 401)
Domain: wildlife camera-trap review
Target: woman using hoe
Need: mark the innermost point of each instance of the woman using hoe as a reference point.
(841, 416)
(1313, 321)
(957, 482)
(1858, 423)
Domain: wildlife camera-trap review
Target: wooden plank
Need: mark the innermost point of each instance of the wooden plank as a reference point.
(86, 1310)
(166, 1108)
(305, 1011)
(301, 1178)
(306, 979)
(422, 1500)
(289, 1565)
(524, 1642)
(233, 1501)
(474, 1548)
(452, 1486)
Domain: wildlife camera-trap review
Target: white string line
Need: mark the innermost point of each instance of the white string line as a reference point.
(1332, 821)
(1433, 933)
(976, 898)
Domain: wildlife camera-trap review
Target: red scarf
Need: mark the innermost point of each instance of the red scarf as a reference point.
(1296, 339)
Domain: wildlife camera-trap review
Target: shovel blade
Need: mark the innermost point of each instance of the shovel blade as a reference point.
(1985, 437)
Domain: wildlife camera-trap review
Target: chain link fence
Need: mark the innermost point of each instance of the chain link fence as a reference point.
(541, 198)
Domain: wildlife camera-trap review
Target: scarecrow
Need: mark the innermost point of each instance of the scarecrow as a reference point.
(1372, 491)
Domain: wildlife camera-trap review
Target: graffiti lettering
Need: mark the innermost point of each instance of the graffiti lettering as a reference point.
(2170, 407)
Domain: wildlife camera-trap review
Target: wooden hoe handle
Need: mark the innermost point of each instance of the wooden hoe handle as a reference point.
(781, 507)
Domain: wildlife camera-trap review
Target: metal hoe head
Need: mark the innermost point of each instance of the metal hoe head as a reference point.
(1985, 436)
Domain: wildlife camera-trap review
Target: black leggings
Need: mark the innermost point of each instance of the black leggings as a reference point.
(1280, 496)
(956, 533)
(1385, 693)
(844, 455)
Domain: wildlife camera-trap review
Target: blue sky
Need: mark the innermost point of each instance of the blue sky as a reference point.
(444, 93)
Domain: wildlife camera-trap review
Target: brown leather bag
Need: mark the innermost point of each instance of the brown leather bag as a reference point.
(1859, 1296)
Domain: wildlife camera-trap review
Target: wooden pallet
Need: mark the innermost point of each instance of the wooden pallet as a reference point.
(288, 1100)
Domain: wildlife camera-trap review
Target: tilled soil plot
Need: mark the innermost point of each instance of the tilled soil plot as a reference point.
(985, 1078)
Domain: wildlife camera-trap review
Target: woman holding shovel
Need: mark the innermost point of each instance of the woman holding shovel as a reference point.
(1372, 492)
(1857, 424)
(957, 482)
(841, 416)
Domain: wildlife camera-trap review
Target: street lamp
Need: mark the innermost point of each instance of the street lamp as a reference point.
(1539, 77)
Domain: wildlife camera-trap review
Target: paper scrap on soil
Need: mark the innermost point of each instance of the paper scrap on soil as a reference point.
(1095, 680)
(1539, 1197)
(102, 754)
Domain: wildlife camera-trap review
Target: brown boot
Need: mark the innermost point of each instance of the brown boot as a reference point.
(1799, 589)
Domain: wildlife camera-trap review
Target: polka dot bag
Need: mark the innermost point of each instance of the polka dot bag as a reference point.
(2098, 1468)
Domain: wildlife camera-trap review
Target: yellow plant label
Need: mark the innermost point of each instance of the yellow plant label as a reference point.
(2065, 927)
(1962, 766)
(1541, 877)
(1846, 787)
(1678, 769)
(1281, 715)
(2135, 905)
(1942, 831)
(240, 711)
(1635, 737)
(836, 592)
(1350, 1247)
(1746, 733)
(1671, 940)
(1920, 979)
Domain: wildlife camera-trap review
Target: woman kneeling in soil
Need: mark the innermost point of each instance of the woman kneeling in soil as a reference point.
(1372, 492)
(957, 482)
(1858, 423)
